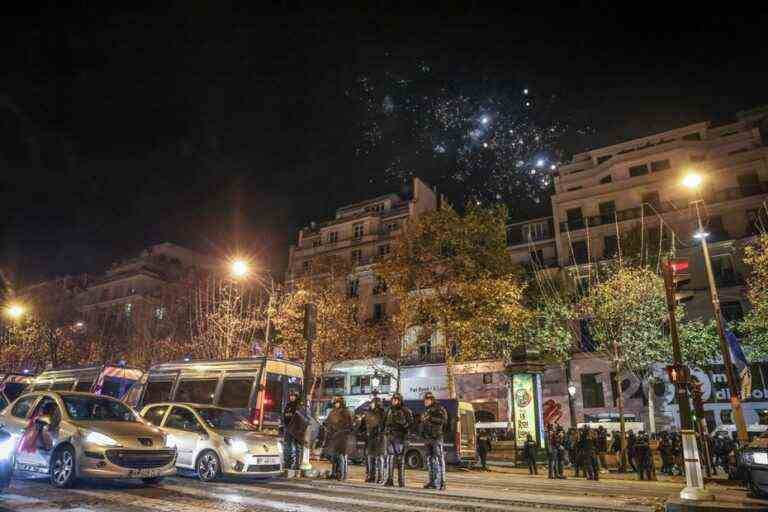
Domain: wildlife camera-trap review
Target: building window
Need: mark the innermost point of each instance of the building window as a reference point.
(638, 170)
(128, 309)
(692, 136)
(537, 257)
(749, 184)
(610, 246)
(379, 311)
(723, 270)
(357, 255)
(334, 385)
(575, 219)
(651, 203)
(160, 312)
(333, 237)
(392, 226)
(732, 311)
(487, 378)
(380, 287)
(358, 230)
(316, 242)
(606, 179)
(353, 288)
(379, 207)
(660, 165)
(306, 266)
(383, 250)
(592, 391)
(580, 254)
(535, 231)
(607, 210)
(603, 158)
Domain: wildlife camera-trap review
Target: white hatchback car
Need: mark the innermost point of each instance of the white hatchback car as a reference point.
(213, 441)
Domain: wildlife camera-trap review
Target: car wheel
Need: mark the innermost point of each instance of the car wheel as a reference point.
(414, 460)
(63, 467)
(152, 481)
(208, 466)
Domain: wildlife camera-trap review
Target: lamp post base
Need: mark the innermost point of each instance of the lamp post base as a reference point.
(696, 494)
(694, 479)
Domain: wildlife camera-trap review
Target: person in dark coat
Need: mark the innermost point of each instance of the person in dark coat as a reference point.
(602, 447)
(398, 422)
(529, 454)
(572, 448)
(372, 427)
(588, 453)
(643, 456)
(292, 447)
(631, 451)
(556, 452)
(338, 425)
(665, 452)
(483, 448)
(433, 423)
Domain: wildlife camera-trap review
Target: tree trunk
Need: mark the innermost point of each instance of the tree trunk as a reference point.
(651, 407)
(620, 404)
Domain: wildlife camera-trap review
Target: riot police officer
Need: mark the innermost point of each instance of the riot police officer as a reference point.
(292, 446)
(338, 425)
(372, 427)
(433, 423)
(643, 456)
(398, 422)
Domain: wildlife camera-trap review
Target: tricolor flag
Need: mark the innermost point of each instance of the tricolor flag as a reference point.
(740, 363)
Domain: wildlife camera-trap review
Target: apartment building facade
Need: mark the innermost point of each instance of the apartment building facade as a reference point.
(362, 233)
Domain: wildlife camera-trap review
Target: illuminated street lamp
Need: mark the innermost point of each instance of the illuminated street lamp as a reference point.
(15, 311)
(692, 181)
(239, 268)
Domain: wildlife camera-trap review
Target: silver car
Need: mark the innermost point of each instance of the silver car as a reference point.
(213, 441)
(68, 435)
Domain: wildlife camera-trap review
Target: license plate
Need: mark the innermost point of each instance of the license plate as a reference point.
(266, 461)
(145, 473)
(760, 458)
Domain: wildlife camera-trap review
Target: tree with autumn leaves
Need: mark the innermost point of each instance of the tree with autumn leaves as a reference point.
(452, 274)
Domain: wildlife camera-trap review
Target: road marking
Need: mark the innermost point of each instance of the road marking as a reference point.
(249, 500)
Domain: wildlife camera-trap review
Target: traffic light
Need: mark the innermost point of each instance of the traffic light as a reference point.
(678, 373)
(679, 277)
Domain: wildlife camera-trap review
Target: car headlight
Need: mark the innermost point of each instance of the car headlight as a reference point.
(757, 458)
(237, 445)
(100, 439)
(7, 447)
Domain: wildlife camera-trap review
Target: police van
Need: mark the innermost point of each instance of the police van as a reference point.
(460, 439)
(12, 385)
(256, 388)
(110, 380)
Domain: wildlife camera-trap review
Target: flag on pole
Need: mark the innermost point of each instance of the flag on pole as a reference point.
(739, 360)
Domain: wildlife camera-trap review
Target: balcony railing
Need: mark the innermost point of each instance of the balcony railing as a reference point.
(435, 356)
(710, 197)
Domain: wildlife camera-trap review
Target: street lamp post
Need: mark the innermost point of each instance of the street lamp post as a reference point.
(693, 181)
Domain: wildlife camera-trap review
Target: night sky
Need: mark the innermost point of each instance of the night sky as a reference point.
(226, 129)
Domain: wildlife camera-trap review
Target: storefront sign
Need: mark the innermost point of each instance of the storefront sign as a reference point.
(416, 381)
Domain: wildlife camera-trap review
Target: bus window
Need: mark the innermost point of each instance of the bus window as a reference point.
(84, 386)
(273, 397)
(158, 391)
(62, 385)
(236, 391)
(196, 391)
(115, 386)
(13, 390)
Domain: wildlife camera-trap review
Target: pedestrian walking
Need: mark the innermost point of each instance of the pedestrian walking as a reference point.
(292, 447)
(529, 455)
(588, 453)
(665, 452)
(434, 420)
(398, 423)
(372, 428)
(483, 448)
(339, 425)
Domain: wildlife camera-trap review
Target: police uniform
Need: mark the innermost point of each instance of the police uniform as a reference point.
(434, 420)
(338, 425)
(372, 427)
(398, 422)
(291, 446)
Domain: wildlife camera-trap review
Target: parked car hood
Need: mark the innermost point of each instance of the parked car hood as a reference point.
(127, 433)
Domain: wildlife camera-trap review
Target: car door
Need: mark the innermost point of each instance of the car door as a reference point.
(34, 452)
(183, 432)
(16, 417)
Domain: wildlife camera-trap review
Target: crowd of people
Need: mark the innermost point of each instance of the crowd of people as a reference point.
(585, 450)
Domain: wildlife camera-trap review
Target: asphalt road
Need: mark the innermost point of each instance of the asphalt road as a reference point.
(467, 490)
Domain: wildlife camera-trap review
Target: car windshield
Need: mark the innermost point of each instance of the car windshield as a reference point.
(95, 408)
(222, 419)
